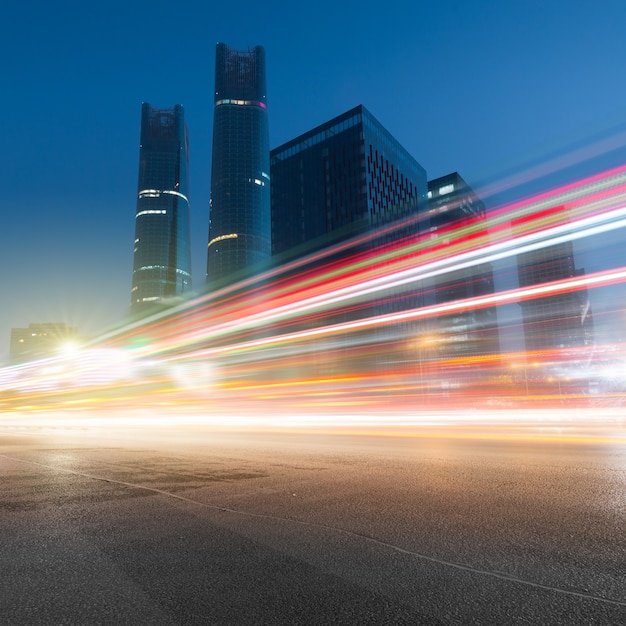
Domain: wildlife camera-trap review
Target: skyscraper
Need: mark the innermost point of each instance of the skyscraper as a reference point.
(162, 260)
(473, 331)
(239, 215)
(344, 176)
(340, 183)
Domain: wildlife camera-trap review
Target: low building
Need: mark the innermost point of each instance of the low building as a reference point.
(39, 341)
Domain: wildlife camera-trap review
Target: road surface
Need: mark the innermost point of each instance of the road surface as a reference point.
(216, 527)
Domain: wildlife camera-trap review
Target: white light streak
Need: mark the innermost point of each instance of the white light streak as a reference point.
(152, 212)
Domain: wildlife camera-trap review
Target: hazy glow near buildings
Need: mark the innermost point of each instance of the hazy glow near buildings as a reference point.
(252, 350)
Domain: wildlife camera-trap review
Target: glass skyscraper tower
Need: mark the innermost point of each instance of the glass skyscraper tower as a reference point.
(239, 215)
(162, 260)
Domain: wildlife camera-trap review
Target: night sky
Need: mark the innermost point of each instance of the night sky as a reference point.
(480, 87)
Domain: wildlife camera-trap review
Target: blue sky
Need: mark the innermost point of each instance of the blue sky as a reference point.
(479, 87)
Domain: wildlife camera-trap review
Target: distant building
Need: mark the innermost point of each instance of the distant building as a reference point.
(162, 258)
(346, 176)
(39, 341)
(239, 214)
(558, 321)
(473, 331)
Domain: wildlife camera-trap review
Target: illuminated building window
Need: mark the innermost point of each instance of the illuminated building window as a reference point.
(152, 212)
(222, 237)
(241, 102)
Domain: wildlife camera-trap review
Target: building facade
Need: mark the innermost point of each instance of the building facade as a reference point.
(40, 341)
(162, 258)
(559, 321)
(343, 177)
(344, 190)
(454, 206)
(239, 215)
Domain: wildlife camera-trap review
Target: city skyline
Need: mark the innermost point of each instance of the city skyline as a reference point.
(70, 175)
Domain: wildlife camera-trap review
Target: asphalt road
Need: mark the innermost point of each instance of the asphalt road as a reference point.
(233, 528)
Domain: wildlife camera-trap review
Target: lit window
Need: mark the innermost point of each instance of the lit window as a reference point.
(149, 193)
(152, 212)
(241, 103)
(446, 189)
(222, 237)
(176, 193)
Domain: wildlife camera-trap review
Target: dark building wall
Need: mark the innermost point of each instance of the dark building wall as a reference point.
(162, 259)
(239, 218)
(396, 182)
(316, 185)
(346, 176)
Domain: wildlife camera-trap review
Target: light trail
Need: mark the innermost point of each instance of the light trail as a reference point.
(371, 281)
(609, 277)
(586, 201)
(344, 330)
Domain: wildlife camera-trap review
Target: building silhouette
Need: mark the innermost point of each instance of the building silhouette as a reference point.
(344, 177)
(558, 321)
(40, 341)
(453, 207)
(162, 259)
(239, 214)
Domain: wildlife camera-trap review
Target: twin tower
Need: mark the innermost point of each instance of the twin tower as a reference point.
(239, 214)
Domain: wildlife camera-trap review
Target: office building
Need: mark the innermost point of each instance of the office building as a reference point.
(239, 214)
(349, 182)
(455, 210)
(558, 321)
(162, 259)
(40, 341)
(346, 176)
